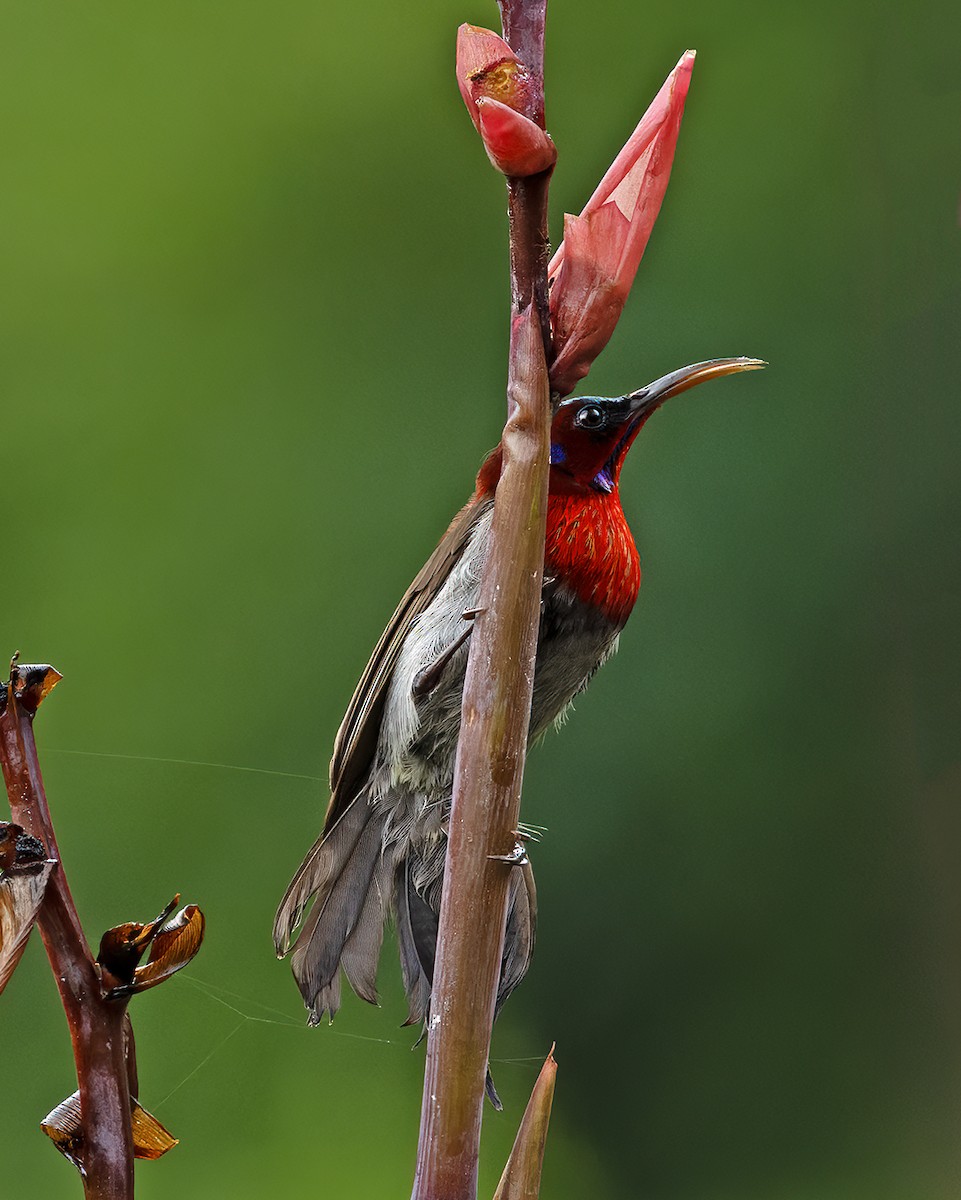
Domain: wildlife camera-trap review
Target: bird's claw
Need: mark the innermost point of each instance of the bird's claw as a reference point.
(427, 678)
(516, 858)
(529, 833)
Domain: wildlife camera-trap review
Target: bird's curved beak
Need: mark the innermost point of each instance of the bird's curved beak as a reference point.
(644, 401)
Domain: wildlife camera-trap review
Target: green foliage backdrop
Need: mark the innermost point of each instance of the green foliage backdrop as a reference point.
(253, 323)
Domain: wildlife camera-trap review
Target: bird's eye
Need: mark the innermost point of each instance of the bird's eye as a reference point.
(589, 417)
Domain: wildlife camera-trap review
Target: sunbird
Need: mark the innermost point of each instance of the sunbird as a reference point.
(381, 851)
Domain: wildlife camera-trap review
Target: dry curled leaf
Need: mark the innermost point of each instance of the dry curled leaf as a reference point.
(24, 871)
(31, 683)
(150, 1138)
(123, 946)
(173, 941)
(173, 947)
(64, 1127)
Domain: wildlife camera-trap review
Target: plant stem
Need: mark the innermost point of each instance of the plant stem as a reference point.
(523, 24)
(530, 248)
(96, 1025)
(486, 799)
(496, 705)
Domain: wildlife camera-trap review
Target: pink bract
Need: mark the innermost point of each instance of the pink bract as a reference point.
(593, 269)
(514, 144)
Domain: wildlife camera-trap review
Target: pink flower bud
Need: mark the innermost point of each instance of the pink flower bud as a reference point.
(514, 144)
(487, 68)
(593, 269)
(497, 90)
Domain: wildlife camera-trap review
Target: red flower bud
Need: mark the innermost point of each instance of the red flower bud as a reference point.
(514, 144)
(487, 68)
(496, 87)
(593, 269)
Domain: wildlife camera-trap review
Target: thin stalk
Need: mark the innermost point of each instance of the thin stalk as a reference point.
(523, 24)
(496, 708)
(496, 705)
(530, 248)
(486, 799)
(96, 1025)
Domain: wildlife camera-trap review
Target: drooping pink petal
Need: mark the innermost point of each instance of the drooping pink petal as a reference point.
(593, 269)
(514, 144)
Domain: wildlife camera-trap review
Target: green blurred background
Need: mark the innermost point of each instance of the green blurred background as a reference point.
(253, 325)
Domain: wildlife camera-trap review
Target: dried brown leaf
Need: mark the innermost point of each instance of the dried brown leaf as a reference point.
(32, 683)
(150, 1138)
(21, 894)
(173, 944)
(64, 1127)
(172, 948)
(8, 844)
(123, 946)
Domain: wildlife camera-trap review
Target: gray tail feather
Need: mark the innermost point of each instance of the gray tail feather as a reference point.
(518, 948)
(519, 936)
(362, 949)
(417, 920)
(317, 873)
(416, 923)
(348, 879)
(351, 882)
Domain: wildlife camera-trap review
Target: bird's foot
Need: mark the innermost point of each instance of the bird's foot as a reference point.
(429, 677)
(526, 832)
(517, 857)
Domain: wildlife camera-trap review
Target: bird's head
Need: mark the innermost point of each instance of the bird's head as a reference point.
(591, 435)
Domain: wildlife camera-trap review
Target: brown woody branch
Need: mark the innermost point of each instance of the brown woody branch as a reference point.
(97, 1026)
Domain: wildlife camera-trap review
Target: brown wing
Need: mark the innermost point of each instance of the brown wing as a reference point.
(357, 737)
